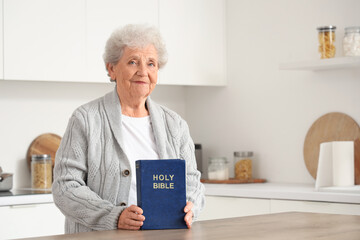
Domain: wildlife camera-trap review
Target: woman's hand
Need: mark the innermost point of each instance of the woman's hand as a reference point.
(131, 218)
(189, 214)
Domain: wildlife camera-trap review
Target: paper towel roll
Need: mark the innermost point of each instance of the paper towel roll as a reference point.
(324, 175)
(343, 163)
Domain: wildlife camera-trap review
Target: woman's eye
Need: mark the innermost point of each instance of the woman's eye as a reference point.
(132, 62)
(152, 64)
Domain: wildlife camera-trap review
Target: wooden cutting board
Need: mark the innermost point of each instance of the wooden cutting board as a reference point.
(47, 143)
(330, 127)
(234, 181)
(357, 161)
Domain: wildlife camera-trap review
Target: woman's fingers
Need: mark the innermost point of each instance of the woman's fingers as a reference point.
(131, 218)
(188, 207)
(133, 223)
(130, 227)
(188, 218)
(135, 216)
(135, 209)
(189, 214)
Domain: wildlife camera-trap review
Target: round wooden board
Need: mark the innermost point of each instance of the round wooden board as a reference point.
(329, 127)
(47, 143)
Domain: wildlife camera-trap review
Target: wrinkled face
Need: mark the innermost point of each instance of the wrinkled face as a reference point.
(135, 73)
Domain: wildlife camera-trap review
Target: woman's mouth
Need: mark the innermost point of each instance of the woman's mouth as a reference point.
(140, 82)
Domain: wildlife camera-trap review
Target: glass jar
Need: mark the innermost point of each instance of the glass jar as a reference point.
(243, 165)
(351, 41)
(326, 35)
(41, 171)
(218, 169)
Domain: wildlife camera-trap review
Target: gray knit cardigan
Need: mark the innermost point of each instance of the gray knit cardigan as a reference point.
(91, 181)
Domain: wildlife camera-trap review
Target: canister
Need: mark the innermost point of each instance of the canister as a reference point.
(218, 168)
(351, 41)
(243, 165)
(326, 37)
(41, 171)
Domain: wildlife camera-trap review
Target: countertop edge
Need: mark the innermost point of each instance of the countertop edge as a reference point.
(26, 199)
(280, 191)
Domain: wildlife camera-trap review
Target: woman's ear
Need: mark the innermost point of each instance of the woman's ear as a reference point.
(111, 73)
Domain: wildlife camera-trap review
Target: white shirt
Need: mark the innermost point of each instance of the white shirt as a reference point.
(139, 143)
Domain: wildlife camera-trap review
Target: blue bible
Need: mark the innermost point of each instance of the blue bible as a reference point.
(161, 192)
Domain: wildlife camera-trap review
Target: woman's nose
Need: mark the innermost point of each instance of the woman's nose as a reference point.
(142, 70)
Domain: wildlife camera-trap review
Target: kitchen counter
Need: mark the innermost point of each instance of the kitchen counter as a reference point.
(291, 225)
(283, 191)
(24, 196)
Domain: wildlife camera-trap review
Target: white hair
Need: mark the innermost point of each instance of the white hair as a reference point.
(134, 36)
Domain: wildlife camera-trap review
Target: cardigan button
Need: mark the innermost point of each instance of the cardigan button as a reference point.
(126, 173)
(122, 204)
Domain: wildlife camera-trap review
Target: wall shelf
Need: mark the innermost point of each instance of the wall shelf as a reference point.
(323, 64)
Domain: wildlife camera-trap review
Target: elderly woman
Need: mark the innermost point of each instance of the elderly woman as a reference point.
(94, 175)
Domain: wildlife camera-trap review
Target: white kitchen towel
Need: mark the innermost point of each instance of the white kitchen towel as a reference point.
(336, 165)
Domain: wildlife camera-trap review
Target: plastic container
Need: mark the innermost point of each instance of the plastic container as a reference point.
(41, 171)
(243, 165)
(218, 169)
(351, 41)
(326, 36)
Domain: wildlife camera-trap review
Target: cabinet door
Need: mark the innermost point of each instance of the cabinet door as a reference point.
(24, 221)
(228, 207)
(44, 40)
(103, 17)
(315, 207)
(194, 32)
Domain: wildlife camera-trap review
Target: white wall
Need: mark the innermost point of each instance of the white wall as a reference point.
(29, 109)
(262, 109)
(266, 110)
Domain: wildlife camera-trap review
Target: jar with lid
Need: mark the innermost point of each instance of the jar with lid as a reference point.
(41, 171)
(351, 41)
(326, 36)
(218, 168)
(243, 165)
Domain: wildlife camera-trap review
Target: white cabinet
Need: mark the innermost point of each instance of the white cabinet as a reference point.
(105, 16)
(24, 221)
(311, 206)
(227, 207)
(194, 32)
(44, 40)
(64, 40)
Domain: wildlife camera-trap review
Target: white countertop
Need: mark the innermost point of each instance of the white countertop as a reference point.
(22, 197)
(283, 191)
